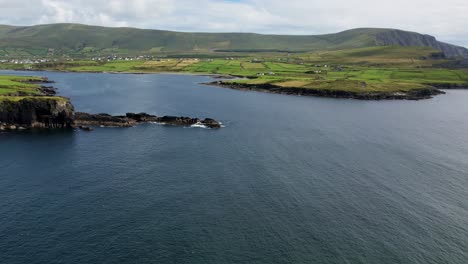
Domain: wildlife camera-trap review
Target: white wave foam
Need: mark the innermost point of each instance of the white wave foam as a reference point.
(199, 125)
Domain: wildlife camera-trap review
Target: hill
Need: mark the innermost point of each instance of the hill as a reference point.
(84, 40)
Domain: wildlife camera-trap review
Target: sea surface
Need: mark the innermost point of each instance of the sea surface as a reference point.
(288, 180)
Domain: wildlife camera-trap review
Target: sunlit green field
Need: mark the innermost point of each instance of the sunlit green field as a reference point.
(349, 78)
(365, 69)
(16, 88)
(10, 85)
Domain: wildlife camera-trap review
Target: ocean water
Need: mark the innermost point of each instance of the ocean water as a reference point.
(288, 180)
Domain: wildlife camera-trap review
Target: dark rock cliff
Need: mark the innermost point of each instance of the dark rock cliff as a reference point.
(405, 38)
(37, 112)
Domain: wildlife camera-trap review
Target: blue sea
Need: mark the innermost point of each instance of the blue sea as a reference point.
(289, 179)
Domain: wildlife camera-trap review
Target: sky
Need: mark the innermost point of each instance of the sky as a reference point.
(447, 20)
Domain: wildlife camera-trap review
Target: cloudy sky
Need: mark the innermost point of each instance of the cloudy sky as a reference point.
(447, 20)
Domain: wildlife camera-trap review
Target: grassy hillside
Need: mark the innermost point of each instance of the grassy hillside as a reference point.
(85, 41)
(380, 56)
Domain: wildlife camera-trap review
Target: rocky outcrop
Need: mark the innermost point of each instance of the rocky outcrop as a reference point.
(455, 64)
(106, 120)
(414, 94)
(57, 112)
(36, 112)
(37, 80)
(188, 121)
(48, 90)
(450, 86)
(132, 119)
(405, 38)
(211, 123)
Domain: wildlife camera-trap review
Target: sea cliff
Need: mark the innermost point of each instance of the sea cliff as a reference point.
(36, 112)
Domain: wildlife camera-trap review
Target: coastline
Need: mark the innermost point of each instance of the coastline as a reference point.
(434, 89)
(44, 109)
(415, 94)
(214, 75)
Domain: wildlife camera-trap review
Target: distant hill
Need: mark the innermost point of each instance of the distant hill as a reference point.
(83, 40)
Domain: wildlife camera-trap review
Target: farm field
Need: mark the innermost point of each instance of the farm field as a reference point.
(387, 68)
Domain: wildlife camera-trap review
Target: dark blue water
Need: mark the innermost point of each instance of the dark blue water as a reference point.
(289, 180)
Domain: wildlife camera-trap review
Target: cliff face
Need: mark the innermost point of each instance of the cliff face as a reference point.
(404, 38)
(37, 112)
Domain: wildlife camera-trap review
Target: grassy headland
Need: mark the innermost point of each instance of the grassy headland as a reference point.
(24, 103)
(15, 85)
(16, 88)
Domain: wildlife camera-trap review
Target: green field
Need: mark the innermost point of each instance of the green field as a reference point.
(369, 69)
(373, 69)
(14, 85)
(16, 88)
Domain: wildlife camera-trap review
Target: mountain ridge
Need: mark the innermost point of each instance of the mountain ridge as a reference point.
(80, 39)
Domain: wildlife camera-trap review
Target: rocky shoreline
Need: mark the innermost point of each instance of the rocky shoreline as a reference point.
(133, 119)
(48, 111)
(415, 94)
(450, 86)
(36, 112)
(50, 114)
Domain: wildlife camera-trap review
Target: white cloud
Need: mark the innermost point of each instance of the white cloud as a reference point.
(446, 20)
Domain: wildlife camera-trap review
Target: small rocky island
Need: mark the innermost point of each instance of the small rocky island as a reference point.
(35, 106)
